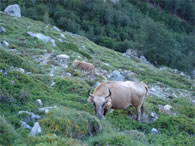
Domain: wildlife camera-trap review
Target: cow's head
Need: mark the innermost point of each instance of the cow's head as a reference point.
(102, 104)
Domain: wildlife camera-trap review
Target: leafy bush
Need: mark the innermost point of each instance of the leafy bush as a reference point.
(8, 135)
(70, 123)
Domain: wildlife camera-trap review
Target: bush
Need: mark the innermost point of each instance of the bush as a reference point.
(51, 140)
(8, 135)
(70, 123)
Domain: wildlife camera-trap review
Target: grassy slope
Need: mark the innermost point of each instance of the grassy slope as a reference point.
(19, 91)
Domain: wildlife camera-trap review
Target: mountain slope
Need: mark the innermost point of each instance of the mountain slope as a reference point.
(31, 69)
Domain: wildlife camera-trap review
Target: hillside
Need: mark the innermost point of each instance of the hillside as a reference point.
(151, 27)
(31, 68)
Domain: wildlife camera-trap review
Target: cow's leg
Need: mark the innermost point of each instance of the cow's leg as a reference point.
(138, 113)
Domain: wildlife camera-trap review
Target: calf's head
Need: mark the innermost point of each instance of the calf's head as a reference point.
(101, 104)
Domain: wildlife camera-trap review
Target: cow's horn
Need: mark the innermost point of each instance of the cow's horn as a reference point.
(90, 93)
(109, 93)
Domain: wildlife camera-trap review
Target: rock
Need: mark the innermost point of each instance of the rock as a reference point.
(153, 116)
(13, 10)
(52, 83)
(144, 60)
(62, 35)
(35, 117)
(63, 60)
(56, 28)
(35, 130)
(193, 101)
(20, 70)
(154, 131)
(165, 109)
(46, 109)
(39, 102)
(131, 52)
(2, 30)
(193, 74)
(6, 44)
(25, 125)
(60, 40)
(116, 75)
(42, 37)
(68, 74)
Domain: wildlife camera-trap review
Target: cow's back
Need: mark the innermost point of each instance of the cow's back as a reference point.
(126, 93)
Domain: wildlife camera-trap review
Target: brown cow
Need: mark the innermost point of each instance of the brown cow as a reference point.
(118, 95)
(84, 66)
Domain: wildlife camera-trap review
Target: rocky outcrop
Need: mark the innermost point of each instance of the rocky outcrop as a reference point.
(13, 10)
(42, 37)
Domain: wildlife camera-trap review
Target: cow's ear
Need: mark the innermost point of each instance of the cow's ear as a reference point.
(90, 100)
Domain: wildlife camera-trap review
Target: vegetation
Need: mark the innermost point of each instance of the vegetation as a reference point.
(161, 30)
(73, 121)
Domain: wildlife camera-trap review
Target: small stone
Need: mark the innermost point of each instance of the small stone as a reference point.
(56, 28)
(35, 117)
(39, 102)
(6, 44)
(25, 125)
(154, 116)
(154, 131)
(62, 35)
(2, 30)
(68, 74)
(60, 40)
(35, 130)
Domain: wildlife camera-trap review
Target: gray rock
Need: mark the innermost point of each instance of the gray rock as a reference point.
(60, 40)
(13, 10)
(56, 28)
(131, 52)
(144, 60)
(193, 74)
(46, 109)
(62, 35)
(25, 125)
(153, 116)
(39, 102)
(35, 130)
(63, 60)
(154, 131)
(116, 75)
(20, 70)
(2, 29)
(6, 44)
(42, 37)
(68, 74)
(35, 117)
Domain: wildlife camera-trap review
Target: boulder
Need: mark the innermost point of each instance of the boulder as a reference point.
(116, 75)
(13, 10)
(35, 130)
(42, 37)
(2, 30)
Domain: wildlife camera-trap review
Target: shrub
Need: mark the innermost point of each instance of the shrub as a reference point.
(7, 133)
(70, 123)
